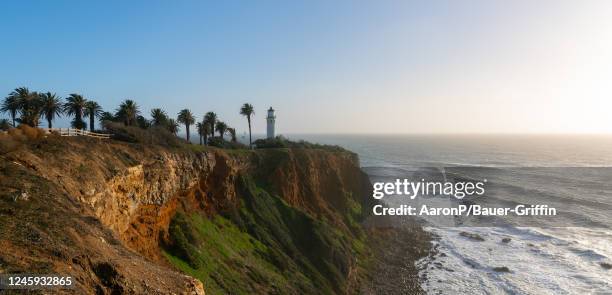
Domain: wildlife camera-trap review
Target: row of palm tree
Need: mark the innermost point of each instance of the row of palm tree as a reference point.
(27, 107)
(205, 128)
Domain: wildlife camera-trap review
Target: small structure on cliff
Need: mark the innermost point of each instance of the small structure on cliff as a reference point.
(271, 118)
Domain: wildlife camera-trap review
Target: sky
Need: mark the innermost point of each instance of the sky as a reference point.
(326, 66)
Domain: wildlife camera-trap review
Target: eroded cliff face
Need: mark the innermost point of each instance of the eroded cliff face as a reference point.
(50, 222)
(127, 216)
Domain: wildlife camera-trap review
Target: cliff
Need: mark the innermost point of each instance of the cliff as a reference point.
(129, 218)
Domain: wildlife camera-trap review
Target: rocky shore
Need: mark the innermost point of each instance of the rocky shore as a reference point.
(397, 246)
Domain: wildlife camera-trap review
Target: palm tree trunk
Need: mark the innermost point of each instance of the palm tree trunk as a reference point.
(79, 120)
(91, 122)
(187, 128)
(250, 139)
(200, 139)
(49, 123)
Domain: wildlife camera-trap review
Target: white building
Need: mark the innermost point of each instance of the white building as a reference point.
(270, 119)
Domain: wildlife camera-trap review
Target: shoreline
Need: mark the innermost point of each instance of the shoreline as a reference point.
(396, 250)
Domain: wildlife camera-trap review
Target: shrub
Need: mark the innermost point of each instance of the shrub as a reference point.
(183, 240)
(153, 135)
(282, 142)
(224, 144)
(31, 132)
(15, 137)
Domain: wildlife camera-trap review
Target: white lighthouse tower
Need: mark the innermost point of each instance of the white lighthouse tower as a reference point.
(270, 119)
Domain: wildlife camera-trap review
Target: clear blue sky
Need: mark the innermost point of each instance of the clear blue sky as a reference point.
(326, 66)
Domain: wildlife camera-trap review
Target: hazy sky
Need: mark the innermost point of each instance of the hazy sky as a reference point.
(326, 66)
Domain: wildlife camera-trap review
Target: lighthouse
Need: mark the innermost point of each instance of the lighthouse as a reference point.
(270, 119)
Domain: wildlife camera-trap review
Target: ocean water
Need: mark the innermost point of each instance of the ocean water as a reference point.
(562, 255)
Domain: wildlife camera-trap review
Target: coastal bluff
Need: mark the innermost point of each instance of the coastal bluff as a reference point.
(131, 218)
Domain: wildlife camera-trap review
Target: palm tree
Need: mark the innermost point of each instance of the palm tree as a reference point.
(5, 124)
(247, 110)
(211, 119)
(128, 111)
(75, 103)
(172, 126)
(206, 132)
(200, 129)
(29, 105)
(159, 117)
(232, 132)
(106, 117)
(51, 107)
(221, 128)
(11, 105)
(185, 117)
(92, 110)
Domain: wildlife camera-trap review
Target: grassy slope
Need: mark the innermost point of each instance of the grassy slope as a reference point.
(265, 246)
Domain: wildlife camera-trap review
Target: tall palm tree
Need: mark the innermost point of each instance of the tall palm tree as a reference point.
(221, 128)
(247, 111)
(51, 107)
(205, 132)
(172, 126)
(185, 117)
(10, 105)
(211, 119)
(75, 103)
(30, 106)
(158, 117)
(200, 129)
(232, 132)
(92, 110)
(128, 111)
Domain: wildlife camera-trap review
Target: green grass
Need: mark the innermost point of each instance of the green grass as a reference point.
(230, 259)
(264, 247)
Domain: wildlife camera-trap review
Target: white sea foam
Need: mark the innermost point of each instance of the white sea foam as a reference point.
(540, 262)
(563, 260)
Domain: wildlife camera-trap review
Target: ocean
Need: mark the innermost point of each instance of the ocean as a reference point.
(566, 254)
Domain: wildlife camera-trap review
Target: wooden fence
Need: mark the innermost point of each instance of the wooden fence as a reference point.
(77, 132)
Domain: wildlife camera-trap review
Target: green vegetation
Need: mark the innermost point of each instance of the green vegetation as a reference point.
(282, 142)
(152, 136)
(185, 117)
(31, 106)
(51, 107)
(210, 118)
(224, 144)
(247, 110)
(173, 126)
(265, 246)
(75, 103)
(11, 105)
(221, 128)
(92, 110)
(128, 112)
(200, 128)
(159, 118)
